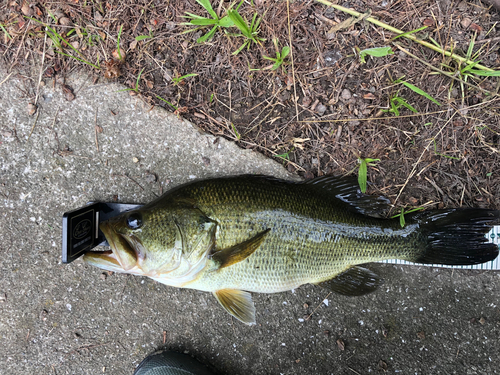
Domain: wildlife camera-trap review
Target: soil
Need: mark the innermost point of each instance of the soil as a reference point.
(322, 109)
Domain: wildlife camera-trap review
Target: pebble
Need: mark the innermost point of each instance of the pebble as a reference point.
(465, 23)
(346, 94)
(320, 109)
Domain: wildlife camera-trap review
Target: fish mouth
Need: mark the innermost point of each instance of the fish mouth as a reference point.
(121, 257)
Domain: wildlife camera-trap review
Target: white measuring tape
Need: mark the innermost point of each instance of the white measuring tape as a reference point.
(493, 237)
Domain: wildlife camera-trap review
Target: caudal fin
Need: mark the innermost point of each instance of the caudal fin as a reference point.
(457, 236)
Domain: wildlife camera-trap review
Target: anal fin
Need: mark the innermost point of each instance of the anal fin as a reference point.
(355, 281)
(237, 303)
(239, 252)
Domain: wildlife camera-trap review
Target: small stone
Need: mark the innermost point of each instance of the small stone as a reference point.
(465, 23)
(98, 129)
(31, 109)
(421, 335)
(3, 297)
(346, 94)
(151, 178)
(103, 276)
(482, 321)
(306, 101)
(320, 109)
(135, 160)
(65, 21)
(306, 305)
(206, 161)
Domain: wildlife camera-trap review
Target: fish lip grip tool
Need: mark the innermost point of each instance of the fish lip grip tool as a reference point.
(81, 231)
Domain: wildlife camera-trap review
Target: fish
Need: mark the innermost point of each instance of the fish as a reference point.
(234, 236)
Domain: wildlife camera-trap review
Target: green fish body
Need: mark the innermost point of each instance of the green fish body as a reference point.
(236, 235)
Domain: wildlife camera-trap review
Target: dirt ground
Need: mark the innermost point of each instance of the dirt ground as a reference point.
(317, 115)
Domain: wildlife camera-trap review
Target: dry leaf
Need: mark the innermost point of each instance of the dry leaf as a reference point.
(112, 69)
(68, 93)
(369, 96)
(119, 56)
(26, 9)
(341, 344)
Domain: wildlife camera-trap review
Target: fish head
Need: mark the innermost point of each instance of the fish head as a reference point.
(156, 242)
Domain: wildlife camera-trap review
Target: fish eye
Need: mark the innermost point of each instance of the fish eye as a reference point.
(134, 221)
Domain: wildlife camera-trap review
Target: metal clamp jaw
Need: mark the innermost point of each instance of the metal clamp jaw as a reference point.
(81, 231)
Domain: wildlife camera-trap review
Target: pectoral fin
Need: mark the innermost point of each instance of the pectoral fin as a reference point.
(237, 303)
(355, 281)
(237, 253)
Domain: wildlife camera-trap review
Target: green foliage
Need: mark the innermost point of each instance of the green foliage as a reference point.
(238, 136)
(59, 41)
(249, 32)
(166, 101)
(375, 52)
(215, 22)
(136, 88)
(280, 56)
(416, 89)
(402, 214)
(178, 80)
(363, 172)
(395, 103)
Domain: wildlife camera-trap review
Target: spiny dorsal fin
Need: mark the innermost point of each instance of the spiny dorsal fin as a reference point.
(347, 190)
(237, 253)
(237, 303)
(355, 281)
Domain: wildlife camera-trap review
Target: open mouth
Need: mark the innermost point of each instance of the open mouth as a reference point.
(120, 258)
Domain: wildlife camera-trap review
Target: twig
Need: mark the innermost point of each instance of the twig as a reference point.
(414, 169)
(317, 307)
(6, 78)
(408, 36)
(34, 124)
(41, 70)
(291, 59)
(95, 131)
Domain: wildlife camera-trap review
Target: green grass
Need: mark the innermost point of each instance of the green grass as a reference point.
(215, 22)
(248, 31)
(166, 101)
(363, 172)
(178, 80)
(376, 52)
(280, 56)
(136, 88)
(60, 42)
(402, 214)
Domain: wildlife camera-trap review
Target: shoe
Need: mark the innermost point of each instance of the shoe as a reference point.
(171, 363)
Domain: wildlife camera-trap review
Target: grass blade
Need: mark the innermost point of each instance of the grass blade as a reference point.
(420, 92)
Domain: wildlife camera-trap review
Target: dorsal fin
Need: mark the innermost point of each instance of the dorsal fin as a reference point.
(347, 190)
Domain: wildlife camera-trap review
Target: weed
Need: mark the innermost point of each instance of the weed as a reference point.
(118, 44)
(363, 172)
(2, 26)
(396, 102)
(280, 56)
(166, 101)
(58, 40)
(443, 155)
(250, 32)
(416, 89)
(215, 21)
(376, 52)
(136, 88)
(238, 136)
(143, 37)
(402, 214)
(285, 156)
(178, 80)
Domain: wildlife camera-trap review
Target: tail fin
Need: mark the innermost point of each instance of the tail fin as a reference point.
(457, 236)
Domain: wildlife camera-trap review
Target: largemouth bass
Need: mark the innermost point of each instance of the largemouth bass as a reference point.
(236, 235)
